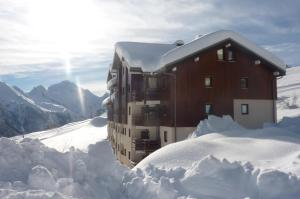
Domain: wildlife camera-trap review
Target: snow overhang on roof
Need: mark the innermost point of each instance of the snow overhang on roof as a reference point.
(142, 55)
(211, 39)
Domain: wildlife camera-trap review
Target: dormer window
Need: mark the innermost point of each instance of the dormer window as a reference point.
(230, 55)
(220, 54)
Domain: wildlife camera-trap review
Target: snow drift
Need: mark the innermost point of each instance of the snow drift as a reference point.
(30, 170)
(224, 160)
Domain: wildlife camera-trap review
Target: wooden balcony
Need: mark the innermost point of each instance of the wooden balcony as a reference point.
(142, 120)
(136, 95)
(152, 94)
(146, 145)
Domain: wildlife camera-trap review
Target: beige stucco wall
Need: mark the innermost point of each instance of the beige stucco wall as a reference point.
(260, 111)
(181, 134)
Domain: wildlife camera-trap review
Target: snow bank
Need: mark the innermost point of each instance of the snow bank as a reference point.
(290, 123)
(211, 178)
(31, 170)
(223, 160)
(215, 124)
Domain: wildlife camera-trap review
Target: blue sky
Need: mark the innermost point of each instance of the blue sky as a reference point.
(47, 41)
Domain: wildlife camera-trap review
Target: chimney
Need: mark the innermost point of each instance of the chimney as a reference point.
(179, 42)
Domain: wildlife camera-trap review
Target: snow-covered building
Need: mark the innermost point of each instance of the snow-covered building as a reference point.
(159, 92)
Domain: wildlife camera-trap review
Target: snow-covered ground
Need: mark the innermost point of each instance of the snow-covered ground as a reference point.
(225, 161)
(78, 135)
(220, 160)
(289, 94)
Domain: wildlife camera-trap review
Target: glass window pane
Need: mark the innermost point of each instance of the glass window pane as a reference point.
(244, 82)
(208, 108)
(244, 108)
(208, 81)
(230, 55)
(220, 54)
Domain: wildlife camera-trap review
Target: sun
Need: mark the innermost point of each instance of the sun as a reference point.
(66, 26)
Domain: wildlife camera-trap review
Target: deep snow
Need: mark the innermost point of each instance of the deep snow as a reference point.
(30, 170)
(78, 135)
(232, 162)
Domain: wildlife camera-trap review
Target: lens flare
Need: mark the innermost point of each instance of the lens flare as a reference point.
(81, 97)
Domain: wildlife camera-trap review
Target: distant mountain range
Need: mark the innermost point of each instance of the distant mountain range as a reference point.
(42, 108)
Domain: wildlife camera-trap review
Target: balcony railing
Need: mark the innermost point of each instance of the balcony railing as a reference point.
(142, 120)
(146, 145)
(149, 94)
(152, 94)
(136, 95)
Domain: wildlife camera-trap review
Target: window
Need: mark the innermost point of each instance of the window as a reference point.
(208, 109)
(125, 131)
(244, 109)
(230, 55)
(145, 134)
(129, 132)
(165, 136)
(220, 54)
(208, 82)
(244, 82)
(129, 155)
(129, 110)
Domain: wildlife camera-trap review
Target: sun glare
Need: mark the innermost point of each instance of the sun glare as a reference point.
(80, 95)
(65, 26)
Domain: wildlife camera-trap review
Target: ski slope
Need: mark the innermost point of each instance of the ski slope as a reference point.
(78, 135)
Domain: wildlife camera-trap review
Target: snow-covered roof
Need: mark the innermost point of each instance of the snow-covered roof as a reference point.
(211, 39)
(143, 55)
(151, 57)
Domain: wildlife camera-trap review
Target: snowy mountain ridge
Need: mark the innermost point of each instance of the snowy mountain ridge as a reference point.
(43, 108)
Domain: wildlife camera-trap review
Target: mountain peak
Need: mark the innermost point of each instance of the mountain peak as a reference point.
(66, 84)
(39, 88)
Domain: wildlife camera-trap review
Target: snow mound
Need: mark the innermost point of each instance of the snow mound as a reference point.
(290, 123)
(223, 160)
(211, 178)
(29, 169)
(215, 124)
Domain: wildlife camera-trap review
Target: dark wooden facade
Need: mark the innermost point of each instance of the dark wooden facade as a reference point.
(192, 95)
